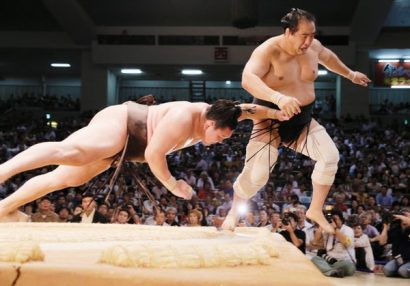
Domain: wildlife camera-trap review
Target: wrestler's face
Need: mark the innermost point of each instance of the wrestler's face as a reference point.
(301, 40)
(215, 135)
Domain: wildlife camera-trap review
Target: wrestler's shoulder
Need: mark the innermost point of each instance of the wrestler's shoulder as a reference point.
(269, 47)
(317, 45)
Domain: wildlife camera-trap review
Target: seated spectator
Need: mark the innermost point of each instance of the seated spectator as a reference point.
(405, 201)
(368, 229)
(383, 198)
(89, 214)
(203, 177)
(373, 234)
(204, 216)
(363, 250)
(337, 258)
(204, 190)
(361, 209)
(372, 204)
(103, 209)
(171, 216)
(159, 218)
(122, 217)
(64, 215)
(360, 195)
(132, 214)
(275, 225)
(293, 204)
(263, 219)
(291, 233)
(352, 210)
(44, 213)
(339, 203)
(396, 231)
(158, 190)
(194, 218)
(61, 202)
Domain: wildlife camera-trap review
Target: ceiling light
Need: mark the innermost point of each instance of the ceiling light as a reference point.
(191, 72)
(400, 86)
(228, 82)
(60, 65)
(389, 61)
(131, 71)
(322, 72)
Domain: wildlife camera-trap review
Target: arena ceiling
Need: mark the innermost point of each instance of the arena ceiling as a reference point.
(79, 21)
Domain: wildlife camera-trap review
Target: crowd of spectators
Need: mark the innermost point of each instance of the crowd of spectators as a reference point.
(372, 181)
(389, 107)
(47, 102)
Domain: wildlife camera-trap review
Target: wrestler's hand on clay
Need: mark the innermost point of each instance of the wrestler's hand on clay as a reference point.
(289, 105)
(182, 190)
(359, 78)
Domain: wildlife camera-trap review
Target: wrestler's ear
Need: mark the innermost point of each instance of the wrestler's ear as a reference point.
(209, 123)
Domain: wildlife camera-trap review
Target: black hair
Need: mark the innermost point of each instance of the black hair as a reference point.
(225, 113)
(339, 214)
(292, 215)
(291, 19)
(88, 195)
(148, 99)
(46, 198)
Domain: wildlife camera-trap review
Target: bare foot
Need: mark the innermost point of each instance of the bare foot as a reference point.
(14, 216)
(319, 218)
(182, 190)
(229, 222)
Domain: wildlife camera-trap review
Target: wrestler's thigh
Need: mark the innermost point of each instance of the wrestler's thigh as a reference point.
(263, 132)
(318, 143)
(105, 136)
(72, 176)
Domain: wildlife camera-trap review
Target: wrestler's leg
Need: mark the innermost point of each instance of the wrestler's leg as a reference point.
(321, 148)
(60, 178)
(104, 137)
(259, 161)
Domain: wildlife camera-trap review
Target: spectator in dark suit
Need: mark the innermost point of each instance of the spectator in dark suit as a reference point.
(89, 214)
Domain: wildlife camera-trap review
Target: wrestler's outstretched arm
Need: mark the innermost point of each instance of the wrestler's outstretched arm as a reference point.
(258, 112)
(175, 127)
(332, 62)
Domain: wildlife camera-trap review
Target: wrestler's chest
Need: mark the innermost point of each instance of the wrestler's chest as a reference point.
(297, 69)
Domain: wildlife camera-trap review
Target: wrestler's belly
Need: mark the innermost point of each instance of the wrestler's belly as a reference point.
(137, 131)
(304, 91)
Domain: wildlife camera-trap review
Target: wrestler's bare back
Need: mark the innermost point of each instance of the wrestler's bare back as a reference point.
(177, 116)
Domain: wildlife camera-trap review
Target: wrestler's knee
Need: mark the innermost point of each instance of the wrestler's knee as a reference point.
(325, 169)
(245, 186)
(255, 174)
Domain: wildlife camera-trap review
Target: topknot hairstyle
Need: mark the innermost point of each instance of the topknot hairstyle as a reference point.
(291, 19)
(225, 113)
